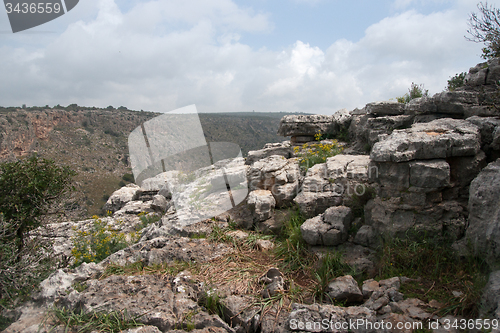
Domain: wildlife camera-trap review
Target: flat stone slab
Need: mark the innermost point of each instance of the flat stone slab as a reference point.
(303, 125)
(440, 138)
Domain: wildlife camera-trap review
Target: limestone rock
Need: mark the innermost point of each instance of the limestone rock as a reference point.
(440, 138)
(278, 175)
(484, 214)
(487, 127)
(154, 301)
(386, 108)
(240, 313)
(308, 318)
(121, 197)
(168, 249)
(261, 203)
(491, 297)
(367, 236)
(305, 125)
(159, 203)
(344, 288)
(431, 173)
(281, 149)
(327, 184)
(328, 229)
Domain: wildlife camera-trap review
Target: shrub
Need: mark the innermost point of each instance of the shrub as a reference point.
(415, 91)
(486, 29)
(316, 153)
(457, 81)
(29, 189)
(96, 244)
(128, 177)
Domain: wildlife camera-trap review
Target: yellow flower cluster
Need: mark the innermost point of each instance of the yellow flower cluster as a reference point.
(97, 243)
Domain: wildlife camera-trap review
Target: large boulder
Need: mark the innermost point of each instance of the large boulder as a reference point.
(328, 229)
(484, 214)
(440, 138)
(490, 303)
(344, 288)
(305, 125)
(121, 197)
(277, 174)
(386, 108)
(329, 184)
(283, 149)
(261, 203)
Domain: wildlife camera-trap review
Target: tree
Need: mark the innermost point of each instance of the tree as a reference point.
(486, 29)
(457, 81)
(28, 190)
(415, 91)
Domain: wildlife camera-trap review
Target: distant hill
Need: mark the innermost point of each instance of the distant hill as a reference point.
(93, 142)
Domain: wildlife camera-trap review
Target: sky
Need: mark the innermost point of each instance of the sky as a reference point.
(314, 56)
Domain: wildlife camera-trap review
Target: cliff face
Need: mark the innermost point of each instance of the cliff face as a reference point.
(91, 142)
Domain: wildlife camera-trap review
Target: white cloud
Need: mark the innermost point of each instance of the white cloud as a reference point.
(161, 55)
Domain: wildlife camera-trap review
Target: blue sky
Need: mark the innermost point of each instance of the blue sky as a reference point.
(315, 56)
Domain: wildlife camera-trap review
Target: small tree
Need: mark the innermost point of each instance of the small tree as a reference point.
(28, 189)
(457, 81)
(415, 91)
(486, 29)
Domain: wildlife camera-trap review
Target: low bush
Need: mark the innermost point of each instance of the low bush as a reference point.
(312, 154)
(97, 243)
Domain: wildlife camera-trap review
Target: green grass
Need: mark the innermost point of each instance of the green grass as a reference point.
(86, 322)
(211, 301)
(440, 270)
(292, 251)
(332, 265)
(146, 220)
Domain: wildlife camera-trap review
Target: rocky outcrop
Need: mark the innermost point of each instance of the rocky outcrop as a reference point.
(484, 214)
(261, 203)
(329, 228)
(490, 303)
(331, 183)
(437, 139)
(282, 149)
(278, 175)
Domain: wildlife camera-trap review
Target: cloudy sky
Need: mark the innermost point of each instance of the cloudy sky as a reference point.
(315, 56)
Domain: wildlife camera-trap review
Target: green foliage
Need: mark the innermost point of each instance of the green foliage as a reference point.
(146, 220)
(415, 91)
(457, 81)
(96, 244)
(86, 322)
(291, 248)
(28, 190)
(210, 300)
(432, 259)
(128, 177)
(313, 154)
(486, 29)
(332, 266)
(21, 272)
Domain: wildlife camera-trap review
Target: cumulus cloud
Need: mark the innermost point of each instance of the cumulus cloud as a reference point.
(161, 55)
